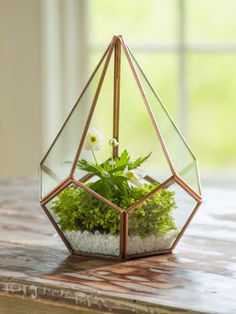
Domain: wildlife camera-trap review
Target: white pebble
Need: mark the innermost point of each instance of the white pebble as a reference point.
(109, 244)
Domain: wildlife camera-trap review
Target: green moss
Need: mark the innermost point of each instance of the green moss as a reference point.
(78, 210)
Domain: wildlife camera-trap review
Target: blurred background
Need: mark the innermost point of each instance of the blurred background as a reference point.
(187, 48)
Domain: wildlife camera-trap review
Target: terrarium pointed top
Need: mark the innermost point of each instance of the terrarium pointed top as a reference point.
(115, 46)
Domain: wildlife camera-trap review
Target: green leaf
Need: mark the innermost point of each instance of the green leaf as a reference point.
(91, 168)
(124, 159)
(137, 162)
(117, 169)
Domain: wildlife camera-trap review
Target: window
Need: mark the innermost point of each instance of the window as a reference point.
(192, 45)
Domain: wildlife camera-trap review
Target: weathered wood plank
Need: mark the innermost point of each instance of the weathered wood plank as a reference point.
(16, 305)
(200, 277)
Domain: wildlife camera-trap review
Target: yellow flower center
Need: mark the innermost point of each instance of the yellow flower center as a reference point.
(93, 139)
(130, 175)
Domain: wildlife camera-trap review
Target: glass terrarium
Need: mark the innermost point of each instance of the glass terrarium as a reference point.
(119, 180)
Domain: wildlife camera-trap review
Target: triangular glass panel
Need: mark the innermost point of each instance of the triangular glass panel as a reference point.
(137, 134)
(100, 125)
(57, 163)
(180, 154)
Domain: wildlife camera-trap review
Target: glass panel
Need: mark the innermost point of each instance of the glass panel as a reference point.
(162, 69)
(137, 133)
(180, 154)
(48, 181)
(213, 110)
(156, 223)
(210, 21)
(164, 78)
(101, 123)
(63, 151)
(89, 225)
(139, 21)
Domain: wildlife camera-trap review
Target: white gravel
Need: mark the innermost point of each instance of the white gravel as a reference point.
(152, 243)
(110, 244)
(93, 242)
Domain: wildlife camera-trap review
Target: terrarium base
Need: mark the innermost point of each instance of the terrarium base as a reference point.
(108, 244)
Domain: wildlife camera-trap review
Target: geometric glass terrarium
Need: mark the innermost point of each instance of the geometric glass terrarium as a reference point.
(119, 180)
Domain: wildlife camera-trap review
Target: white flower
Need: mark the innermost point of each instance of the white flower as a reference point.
(113, 142)
(133, 176)
(94, 140)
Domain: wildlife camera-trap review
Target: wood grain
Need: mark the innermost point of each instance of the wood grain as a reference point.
(200, 277)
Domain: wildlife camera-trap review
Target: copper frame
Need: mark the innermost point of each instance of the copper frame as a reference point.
(115, 46)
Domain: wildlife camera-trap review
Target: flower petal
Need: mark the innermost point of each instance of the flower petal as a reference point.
(94, 140)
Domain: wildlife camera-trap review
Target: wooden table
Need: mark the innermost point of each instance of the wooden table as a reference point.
(38, 276)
